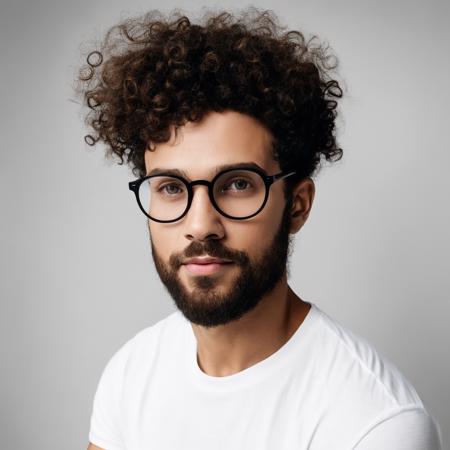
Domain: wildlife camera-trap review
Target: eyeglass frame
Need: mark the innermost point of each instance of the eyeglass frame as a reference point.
(267, 179)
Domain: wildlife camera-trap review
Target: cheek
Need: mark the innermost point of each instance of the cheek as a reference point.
(162, 240)
(253, 234)
(272, 213)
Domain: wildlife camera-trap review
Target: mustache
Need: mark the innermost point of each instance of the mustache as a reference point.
(211, 248)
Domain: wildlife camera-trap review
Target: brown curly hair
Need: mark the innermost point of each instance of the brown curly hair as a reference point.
(153, 72)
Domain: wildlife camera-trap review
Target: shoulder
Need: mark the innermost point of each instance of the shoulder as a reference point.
(358, 370)
(144, 346)
(361, 392)
(410, 428)
(170, 325)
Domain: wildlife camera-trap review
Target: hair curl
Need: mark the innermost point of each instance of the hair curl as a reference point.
(152, 73)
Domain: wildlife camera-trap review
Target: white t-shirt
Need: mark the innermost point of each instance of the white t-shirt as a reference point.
(324, 389)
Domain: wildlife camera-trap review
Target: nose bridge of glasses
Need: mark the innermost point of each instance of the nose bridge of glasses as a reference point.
(206, 183)
(202, 182)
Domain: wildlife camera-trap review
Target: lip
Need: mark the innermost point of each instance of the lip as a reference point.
(206, 265)
(206, 261)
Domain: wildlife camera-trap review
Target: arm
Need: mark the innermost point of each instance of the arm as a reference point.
(106, 419)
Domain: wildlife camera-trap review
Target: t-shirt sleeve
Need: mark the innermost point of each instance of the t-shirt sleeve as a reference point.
(106, 422)
(410, 429)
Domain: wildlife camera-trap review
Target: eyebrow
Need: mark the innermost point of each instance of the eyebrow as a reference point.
(216, 169)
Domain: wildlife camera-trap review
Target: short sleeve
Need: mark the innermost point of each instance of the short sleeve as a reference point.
(106, 424)
(410, 429)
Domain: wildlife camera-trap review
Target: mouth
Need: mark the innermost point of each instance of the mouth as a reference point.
(208, 268)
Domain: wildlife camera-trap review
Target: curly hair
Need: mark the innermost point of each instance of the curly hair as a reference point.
(153, 73)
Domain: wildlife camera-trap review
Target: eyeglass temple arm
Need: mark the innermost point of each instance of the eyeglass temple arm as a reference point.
(281, 176)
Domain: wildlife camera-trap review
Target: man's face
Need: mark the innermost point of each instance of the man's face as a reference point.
(258, 247)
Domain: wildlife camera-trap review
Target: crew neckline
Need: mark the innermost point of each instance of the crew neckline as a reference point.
(251, 374)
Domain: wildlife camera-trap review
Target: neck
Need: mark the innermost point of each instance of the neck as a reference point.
(231, 348)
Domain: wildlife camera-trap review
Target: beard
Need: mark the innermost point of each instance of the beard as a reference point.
(204, 305)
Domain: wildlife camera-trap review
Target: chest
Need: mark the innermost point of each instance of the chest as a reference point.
(172, 414)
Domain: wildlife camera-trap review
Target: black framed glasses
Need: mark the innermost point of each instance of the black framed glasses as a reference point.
(235, 193)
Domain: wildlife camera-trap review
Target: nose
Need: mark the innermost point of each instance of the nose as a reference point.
(203, 221)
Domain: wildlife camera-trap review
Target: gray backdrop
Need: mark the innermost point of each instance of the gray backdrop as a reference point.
(77, 275)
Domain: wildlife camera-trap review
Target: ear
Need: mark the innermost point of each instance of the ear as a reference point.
(302, 200)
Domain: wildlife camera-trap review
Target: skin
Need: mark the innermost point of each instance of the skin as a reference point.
(226, 138)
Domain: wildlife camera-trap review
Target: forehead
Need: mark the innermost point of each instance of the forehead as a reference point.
(219, 139)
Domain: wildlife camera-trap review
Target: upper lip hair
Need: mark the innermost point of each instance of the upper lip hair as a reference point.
(205, 260)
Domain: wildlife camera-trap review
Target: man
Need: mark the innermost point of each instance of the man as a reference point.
(225, 123)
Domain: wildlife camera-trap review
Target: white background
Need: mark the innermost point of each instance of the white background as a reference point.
(77, 279)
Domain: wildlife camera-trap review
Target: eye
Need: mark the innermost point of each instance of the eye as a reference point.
(241, 184)
(170, 189)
